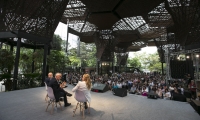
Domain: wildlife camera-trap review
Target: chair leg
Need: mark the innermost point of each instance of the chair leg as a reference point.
(48, 105)
(60, 105)
(52, 107)
(80, 107)
(89, 108)
(46, 98)
(83, 110)
(75, 109)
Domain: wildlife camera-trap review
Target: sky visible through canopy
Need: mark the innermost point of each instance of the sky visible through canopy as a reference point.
(62, 31)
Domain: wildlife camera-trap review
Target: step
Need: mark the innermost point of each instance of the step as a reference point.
(196, 105)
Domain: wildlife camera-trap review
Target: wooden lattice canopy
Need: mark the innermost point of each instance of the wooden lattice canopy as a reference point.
(135, 22)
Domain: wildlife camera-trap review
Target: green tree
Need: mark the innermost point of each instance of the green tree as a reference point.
(6, 61)
(87, 54)
(57, 43)
(72, 54)
(27, 56)
(58, 61)
(148, 61)
(84, 56)
(134, 62)
(6, 65)
(153, 62)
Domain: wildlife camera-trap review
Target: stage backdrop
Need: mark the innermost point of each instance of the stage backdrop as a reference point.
(180, 68)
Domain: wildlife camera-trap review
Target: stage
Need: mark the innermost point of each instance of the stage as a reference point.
(29, 104)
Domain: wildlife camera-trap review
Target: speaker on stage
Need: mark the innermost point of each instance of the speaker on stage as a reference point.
(120, 92)
(179, 97)
(98, 87)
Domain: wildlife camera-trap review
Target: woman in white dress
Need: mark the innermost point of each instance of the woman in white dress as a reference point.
(85, 86)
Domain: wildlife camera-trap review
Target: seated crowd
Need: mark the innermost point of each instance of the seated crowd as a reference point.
(141, 84)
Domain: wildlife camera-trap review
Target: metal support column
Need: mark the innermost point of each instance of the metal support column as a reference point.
(44, 64)
(1, 44)
(67, 43)
(66, 49)
(162, 69)
(33, 64)
(113, 65)
(101, 67)
(197, 66)
(16, 64)
(11, 48)
(97, 66)
(47, 70)
(196, 57)
(167, 59)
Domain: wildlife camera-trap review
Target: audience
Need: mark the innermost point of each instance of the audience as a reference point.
(167, 94)
(133, 89)
(192, 87)
(140, 83)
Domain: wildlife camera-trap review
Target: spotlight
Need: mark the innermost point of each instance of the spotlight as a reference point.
(187, 57)
(197, 55)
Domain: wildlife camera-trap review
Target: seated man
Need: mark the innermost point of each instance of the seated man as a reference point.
(50, 77)
(63, 84)
(58, 91)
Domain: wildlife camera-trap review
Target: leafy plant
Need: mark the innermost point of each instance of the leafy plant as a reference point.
(6, 61)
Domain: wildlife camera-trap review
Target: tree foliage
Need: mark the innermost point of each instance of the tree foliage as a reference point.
(148, 61)
(83, 56)
(57, 43)
(27, 56)
(58, 61)
(134, 62)
(153, 62)
(6, 60)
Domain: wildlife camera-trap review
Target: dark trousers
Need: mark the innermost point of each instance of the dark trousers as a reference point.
(193, 94)
(63, 94)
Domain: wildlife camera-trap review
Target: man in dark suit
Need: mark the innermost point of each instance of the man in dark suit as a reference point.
(58, 91)
(50, 77)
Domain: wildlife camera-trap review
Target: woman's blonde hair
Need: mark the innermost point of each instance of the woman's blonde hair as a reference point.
(86, 78)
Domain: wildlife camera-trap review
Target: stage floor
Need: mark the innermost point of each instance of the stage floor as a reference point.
(29, 104)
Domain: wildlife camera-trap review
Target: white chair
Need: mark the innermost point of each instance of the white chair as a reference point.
(2, 85)
(80, 97)
(52, 99)
(46, 97)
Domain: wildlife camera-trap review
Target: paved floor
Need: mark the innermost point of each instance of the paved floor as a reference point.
(29, 104)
